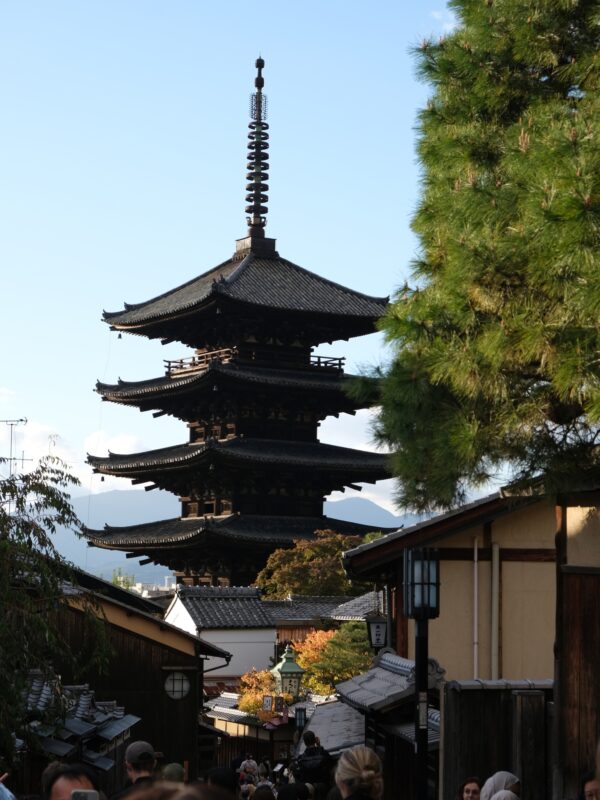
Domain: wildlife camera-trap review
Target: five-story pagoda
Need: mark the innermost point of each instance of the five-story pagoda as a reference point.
(253, 475)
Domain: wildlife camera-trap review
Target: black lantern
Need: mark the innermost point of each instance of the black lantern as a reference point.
(300, 717)
(421, 603)
(421, 583)
(377, 629)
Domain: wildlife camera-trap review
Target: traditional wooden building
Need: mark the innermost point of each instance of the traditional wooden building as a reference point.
(253, 475)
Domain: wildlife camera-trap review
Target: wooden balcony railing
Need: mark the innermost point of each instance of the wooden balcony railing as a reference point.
(201, 361)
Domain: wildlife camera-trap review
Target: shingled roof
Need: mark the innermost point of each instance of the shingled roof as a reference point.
(267, 451)
(303, 608)
(189, 531)
(390, 681)
(311, 379)
(268, 282)
(224, 607)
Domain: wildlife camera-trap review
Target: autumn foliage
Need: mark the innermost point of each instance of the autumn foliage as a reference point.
(311, 567)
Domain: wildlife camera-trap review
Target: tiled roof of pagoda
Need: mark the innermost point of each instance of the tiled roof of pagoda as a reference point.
(266, 451)
(186, 532)
(310, 379)
(274, 283)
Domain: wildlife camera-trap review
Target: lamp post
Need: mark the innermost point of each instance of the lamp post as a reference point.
(421, 603)
(287, 674)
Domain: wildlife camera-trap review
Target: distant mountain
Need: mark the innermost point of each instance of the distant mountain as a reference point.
(130, 507)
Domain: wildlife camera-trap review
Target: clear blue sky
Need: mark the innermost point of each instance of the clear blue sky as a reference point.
(122, 173)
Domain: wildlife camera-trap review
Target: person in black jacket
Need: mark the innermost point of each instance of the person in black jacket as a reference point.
(314, 765)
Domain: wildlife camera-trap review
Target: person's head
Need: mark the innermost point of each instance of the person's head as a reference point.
(173, 772)
(309, 738)
(139, 759)
(590, 788)
(63, 779)
(498, 782)
(263, 771)
(359, 770)
(263, 793)
(223, 778)
(469, 789)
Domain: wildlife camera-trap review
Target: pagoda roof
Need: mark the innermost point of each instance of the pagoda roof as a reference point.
(313, 379)
(271, 452)
(189, 531)
(266, 282)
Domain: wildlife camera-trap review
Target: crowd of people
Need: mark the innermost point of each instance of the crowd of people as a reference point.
(357, 775)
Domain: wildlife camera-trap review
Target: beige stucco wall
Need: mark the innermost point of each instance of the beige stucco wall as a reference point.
(527, 602)
(583, 536)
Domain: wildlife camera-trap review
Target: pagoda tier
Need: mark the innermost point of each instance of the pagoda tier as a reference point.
(259, 476)
(196, 546)
(244, 391)
(256, 300)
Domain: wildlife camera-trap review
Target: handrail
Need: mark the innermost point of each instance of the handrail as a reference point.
(201, 361)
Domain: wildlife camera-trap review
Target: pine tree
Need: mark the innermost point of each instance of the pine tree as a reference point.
(496, 352)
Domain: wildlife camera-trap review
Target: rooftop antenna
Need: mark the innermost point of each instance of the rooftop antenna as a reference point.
(258, 159)
(12, 423)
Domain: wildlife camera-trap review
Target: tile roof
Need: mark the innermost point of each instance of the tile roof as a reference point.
(85, 716)
(194, 531)
(310, 379)
(300, 608)
(274, 283)
(267, 451)
(390, 681)
(358, 607)
(338, 726)
(224, 607)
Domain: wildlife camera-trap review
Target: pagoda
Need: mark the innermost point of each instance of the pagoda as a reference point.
(252, 476)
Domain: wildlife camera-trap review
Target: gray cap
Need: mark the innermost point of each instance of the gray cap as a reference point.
(139, 751)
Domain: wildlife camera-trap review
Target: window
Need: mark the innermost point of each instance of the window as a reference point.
(177, 685)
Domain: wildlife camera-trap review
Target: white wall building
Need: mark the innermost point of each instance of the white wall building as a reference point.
(232, 618)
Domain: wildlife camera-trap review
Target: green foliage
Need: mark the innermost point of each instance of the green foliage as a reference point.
(310, 567)
(33, 578)
(496, 353)
(342, 655)
(122, 579)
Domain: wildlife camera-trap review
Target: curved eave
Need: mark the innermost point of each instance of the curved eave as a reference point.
(145, 392)
(269, 452)
(185, 533)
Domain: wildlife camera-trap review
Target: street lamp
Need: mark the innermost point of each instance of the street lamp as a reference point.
(421, 603)
(288, 674)
(377, 629)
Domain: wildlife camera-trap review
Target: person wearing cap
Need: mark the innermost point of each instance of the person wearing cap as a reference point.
(140, 762)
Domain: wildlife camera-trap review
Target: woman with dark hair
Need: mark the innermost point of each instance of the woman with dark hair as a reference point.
(469, 789)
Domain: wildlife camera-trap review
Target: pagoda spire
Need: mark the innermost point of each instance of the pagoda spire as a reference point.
(258, 159)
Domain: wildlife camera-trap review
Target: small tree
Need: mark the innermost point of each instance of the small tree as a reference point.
(344, 654)
(310, 652)
(122, 579)
(255, 685)
(310, 567)
(33, 577)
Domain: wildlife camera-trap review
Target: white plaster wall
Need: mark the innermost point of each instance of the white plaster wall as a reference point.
(177, 615)
(249, 647)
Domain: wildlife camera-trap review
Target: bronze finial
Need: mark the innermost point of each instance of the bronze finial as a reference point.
(258, 159)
